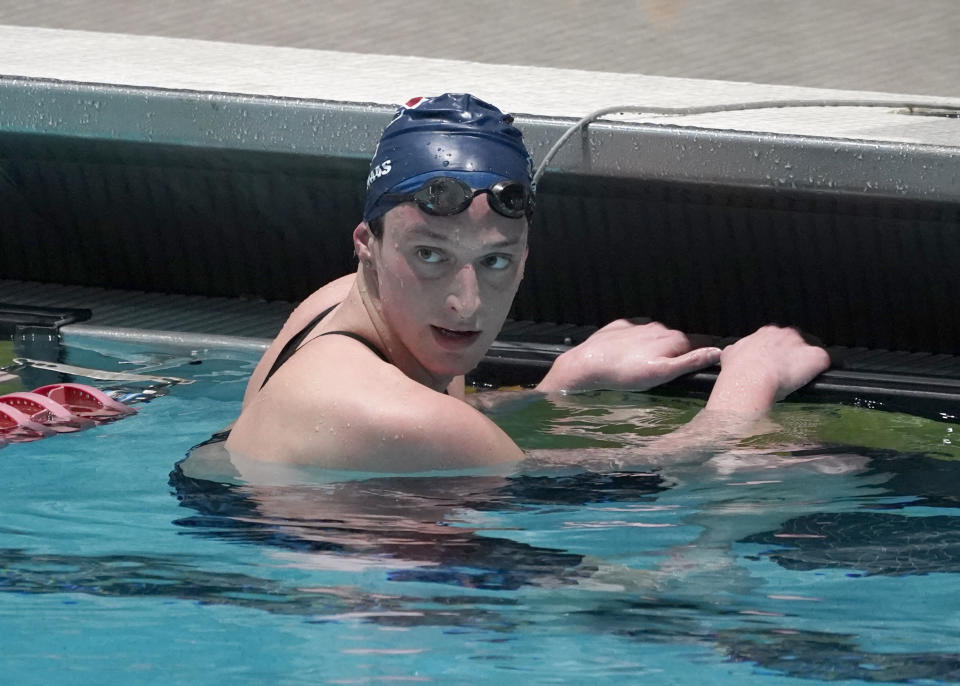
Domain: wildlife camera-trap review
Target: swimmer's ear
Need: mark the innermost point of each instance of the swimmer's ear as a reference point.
(362, 240)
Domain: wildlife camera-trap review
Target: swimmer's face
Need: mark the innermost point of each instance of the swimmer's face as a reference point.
(446, 284)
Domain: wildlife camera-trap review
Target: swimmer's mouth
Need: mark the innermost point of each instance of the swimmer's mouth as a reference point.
(450, 334)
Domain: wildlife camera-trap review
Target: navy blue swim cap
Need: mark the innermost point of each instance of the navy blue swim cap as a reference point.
(452, 134)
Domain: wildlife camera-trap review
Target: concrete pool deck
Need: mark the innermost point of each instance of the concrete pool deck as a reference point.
(869, 45)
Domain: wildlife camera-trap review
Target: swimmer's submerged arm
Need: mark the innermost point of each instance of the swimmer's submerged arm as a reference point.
(502, 400)
(706, 435)
(711, 431)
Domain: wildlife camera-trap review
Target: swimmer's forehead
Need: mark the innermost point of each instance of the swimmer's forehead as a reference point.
(445, 237)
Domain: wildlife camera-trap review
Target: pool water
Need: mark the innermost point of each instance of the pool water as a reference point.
(824, 549)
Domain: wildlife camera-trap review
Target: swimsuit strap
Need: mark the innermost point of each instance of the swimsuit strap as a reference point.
(294, 343)
(291, 347)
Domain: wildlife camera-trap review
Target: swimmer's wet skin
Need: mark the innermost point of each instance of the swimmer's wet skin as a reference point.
(441, 249)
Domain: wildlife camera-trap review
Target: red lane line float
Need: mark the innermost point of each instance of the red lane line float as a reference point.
(86, 401)
(57, 408)
(17, 427)
(43, 410)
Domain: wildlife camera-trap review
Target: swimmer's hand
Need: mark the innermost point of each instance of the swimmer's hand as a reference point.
(625, 355)
(764, 367)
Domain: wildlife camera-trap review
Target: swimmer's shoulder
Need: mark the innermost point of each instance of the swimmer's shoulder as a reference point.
(335, 404)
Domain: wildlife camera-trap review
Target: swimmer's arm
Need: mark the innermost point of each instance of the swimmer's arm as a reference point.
(756, 371)
(419, 433)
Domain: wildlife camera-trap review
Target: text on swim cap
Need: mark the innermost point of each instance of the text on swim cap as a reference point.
(381, 169)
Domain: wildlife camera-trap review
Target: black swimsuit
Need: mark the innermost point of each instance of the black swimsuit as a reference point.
(294, 343)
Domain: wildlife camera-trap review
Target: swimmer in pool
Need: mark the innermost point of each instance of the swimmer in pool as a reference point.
(367, 373)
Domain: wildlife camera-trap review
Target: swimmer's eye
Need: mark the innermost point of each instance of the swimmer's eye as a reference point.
(497, 261)
(429, 255)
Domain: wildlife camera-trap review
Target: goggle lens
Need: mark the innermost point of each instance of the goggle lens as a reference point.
(444, 196)
(513, 198)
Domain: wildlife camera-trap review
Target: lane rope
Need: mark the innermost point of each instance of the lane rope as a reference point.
(100, 374)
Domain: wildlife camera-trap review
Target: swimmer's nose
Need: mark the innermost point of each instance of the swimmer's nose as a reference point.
(464, 297)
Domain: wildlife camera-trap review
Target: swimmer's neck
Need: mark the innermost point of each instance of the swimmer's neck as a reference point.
(363, 299)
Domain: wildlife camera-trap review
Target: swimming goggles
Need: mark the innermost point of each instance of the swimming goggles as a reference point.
(444, 196)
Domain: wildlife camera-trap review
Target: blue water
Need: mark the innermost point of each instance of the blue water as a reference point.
(826, 550)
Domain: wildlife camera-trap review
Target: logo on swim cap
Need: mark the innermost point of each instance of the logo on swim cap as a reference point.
(452, 134)
(377, 171)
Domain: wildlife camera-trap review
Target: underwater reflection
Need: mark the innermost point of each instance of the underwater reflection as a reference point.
(420, 528)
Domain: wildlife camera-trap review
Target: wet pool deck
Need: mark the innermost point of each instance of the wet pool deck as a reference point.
(870, 45)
